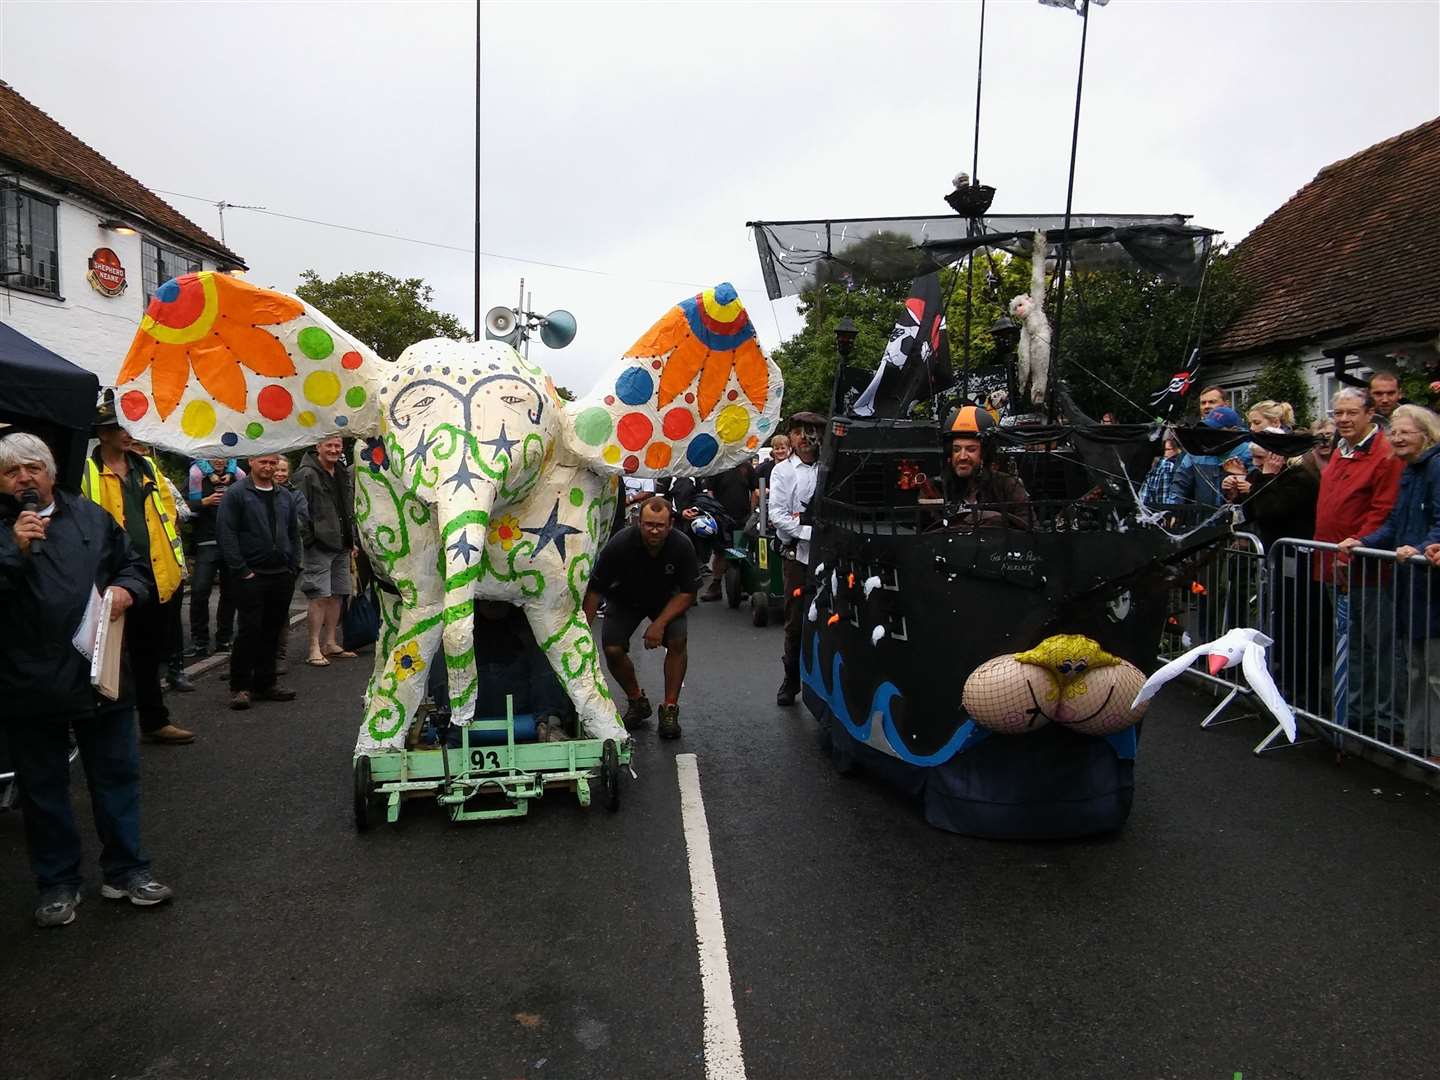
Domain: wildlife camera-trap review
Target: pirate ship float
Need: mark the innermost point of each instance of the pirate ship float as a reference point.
(988, 668)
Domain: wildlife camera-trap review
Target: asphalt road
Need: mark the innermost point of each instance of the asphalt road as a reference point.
(1271, 917)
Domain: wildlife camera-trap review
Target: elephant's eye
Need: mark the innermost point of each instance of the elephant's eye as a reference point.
(425, 402)
(511, 399)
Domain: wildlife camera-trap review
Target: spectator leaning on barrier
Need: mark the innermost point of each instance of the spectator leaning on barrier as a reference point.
(210, 478)
(1357, 492)
(128, 487)
(1412, 526)
(259, 532)
(329, 541)
(45, 681)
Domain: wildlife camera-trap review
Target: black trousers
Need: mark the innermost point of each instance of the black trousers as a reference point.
(209, 573)
(148, 645)
(262, 603)
(793, 573)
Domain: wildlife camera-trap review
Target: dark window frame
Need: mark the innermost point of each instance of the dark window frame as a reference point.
(152, 266)
(17, 212)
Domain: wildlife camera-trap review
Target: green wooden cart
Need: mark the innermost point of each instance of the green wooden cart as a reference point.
(517, 772)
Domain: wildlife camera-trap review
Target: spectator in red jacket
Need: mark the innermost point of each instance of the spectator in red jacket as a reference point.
(1357, 491)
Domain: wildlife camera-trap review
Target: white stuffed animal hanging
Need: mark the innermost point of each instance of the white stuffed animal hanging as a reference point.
(1028, 309)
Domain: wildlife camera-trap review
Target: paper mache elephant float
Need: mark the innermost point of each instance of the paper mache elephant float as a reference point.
(474, 479)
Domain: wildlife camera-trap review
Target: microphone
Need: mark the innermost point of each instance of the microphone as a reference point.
(30, 500)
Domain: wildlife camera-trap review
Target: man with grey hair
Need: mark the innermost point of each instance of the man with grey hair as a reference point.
(56, 551)
(1357, 490)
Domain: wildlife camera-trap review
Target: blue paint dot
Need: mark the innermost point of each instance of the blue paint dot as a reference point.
(229, 438)
(341, 421)
(725, 293)
(634, 386)
(494, 367)
(169, 292)
(702, 450)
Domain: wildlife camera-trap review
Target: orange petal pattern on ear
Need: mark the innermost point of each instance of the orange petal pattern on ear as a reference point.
(752, 373)
(168, 376)
(219, 373)
(254, 306)
(140, 356)
(258, 350)
(714, 374)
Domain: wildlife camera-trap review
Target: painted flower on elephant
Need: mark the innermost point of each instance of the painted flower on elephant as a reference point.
(506, 531)
(407, 661)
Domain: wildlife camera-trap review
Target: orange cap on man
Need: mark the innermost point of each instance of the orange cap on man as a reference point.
(968, 422)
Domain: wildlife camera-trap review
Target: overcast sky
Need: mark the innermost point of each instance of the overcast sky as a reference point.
(635, 140)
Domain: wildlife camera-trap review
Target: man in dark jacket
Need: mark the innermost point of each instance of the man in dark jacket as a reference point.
(56, 552)
(258, 529)
(329, 539)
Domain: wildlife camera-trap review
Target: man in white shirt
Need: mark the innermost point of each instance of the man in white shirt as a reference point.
(792, 486)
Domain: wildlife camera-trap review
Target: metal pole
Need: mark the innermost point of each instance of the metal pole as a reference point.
(1065, 234)
(974, 179)
(477, 170)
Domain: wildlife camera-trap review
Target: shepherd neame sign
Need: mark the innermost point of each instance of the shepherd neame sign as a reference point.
(106, 274)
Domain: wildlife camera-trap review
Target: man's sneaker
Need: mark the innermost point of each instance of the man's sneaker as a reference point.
(240, 700)
(142, 890)
(222, 646)
(638, 712)
(713, 592)
(198, 652)
(788, 689)
(669, 722)
(179, 682)
(170, 735)
(57, 906)
(274, 693)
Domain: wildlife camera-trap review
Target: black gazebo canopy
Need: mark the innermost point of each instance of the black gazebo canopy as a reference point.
(42, 392)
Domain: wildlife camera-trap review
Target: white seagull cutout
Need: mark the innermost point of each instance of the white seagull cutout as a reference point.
(1239, 646)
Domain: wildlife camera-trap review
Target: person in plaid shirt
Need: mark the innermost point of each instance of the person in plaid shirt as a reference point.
(1159, 485)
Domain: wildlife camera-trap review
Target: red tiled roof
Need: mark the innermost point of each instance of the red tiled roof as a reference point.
(36, 143)
(1353, 257)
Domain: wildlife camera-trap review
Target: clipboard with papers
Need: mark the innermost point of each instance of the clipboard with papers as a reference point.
(100, 640)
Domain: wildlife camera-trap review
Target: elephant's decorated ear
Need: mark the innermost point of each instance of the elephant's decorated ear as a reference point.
(220, 368)
(695, 395)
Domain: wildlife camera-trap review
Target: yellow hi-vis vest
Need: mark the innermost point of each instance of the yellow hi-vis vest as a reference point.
(167, 555)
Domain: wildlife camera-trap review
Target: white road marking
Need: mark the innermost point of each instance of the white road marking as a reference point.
(724, 1059)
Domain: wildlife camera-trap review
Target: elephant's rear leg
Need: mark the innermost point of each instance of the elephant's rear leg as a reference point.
(568, 644)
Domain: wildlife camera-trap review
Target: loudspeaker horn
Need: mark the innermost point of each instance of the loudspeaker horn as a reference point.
(558, 329)
(502, 325)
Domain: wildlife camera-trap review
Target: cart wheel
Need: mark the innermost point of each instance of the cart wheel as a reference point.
(610, 775)
(760, 609)
(732, 586)
(365, 809)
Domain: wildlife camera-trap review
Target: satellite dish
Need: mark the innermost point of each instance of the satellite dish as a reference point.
(558, 329)
(502, 325)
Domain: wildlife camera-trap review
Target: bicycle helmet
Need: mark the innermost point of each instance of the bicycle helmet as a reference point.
(704, 525)
(968, 422)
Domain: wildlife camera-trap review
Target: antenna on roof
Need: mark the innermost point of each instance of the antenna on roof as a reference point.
(222, 206)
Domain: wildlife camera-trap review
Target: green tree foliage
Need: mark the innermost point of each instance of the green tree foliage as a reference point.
(385, 312)
(1124, 334)
(1283, 379)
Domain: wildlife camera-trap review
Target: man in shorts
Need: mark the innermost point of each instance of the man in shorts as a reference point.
(646, 571)
(329, 537)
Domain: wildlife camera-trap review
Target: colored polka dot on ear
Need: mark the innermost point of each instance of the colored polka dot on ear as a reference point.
(134, 405)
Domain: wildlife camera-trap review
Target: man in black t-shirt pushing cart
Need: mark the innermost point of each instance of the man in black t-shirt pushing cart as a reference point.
(646, 571)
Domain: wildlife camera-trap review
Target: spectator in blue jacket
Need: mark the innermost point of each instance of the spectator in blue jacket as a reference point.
(1413, 526)
(1199, 477)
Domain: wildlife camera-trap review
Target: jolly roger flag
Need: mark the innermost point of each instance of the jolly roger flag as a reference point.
(916, 361)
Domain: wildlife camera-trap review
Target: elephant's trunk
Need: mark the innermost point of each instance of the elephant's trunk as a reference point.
(464, 521)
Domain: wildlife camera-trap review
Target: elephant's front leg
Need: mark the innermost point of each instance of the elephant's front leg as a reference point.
(409, 644)
(568, 644)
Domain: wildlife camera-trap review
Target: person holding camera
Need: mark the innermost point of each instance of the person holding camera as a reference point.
(56, 551)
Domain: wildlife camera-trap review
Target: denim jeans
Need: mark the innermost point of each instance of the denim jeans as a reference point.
(1375, 664)
(210, 573)
(40, 751)
(148, 649)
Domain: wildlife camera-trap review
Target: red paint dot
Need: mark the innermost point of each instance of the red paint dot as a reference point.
(656, 365)
(632, 463)
(275, 403)
(732, 395)
(377, 457)
(609, 399)
(634, 430)
(690, 399)
(351, 360)
(678, 423)
(134, 405)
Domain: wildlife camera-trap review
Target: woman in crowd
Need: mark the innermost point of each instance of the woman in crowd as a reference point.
(1264, 415)
(1414, 525)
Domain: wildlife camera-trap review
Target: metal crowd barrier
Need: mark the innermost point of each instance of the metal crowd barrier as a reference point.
(1223, 592)
(1356, 652)
(1356, 648)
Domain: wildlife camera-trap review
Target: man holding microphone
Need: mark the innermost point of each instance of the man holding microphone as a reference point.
(56, 549)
